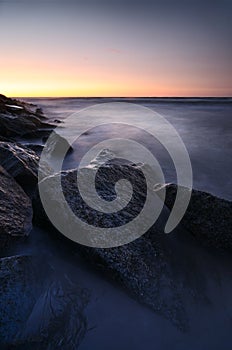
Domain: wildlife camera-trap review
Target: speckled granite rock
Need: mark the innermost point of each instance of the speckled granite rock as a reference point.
(145, 266)
(106, 178)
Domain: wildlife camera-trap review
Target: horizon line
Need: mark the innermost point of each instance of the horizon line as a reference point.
(128, 97)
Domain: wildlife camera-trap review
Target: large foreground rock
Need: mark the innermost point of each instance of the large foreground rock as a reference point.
(146, 267)
(15, 210)
(38, 309)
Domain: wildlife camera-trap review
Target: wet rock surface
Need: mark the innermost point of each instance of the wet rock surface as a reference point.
(21, 163)
(15, 210)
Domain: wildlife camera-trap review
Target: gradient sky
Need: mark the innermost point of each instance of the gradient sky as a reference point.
(116, 48)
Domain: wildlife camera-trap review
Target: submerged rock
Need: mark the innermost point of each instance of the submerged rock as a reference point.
(15, 210)
(39, 310)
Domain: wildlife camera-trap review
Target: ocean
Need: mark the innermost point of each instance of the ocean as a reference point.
(204, 125)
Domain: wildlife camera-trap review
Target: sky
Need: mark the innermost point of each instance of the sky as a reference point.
(115, 48)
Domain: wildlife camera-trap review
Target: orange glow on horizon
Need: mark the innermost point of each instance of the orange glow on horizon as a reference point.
(43, 88)
(43, 79)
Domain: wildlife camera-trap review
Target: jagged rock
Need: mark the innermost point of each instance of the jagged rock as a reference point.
(208, 218)
(21, 163)
(6, 103)
(39, 310)
(144, 267)
(56, 144)
(17, 119)
(15, 210)
(106, 179)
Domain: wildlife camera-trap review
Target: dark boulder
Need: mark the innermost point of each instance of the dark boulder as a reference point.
(15, 210)
(17, 119)
(147, 267)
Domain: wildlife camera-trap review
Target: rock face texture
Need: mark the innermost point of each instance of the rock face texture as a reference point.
(15, 209)
(106, 179)
(145, 267)
(208, 218)
(21, 163)
(37, 310)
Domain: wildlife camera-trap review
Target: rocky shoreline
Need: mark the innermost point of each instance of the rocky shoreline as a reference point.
(38, 310)
(144, 267)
